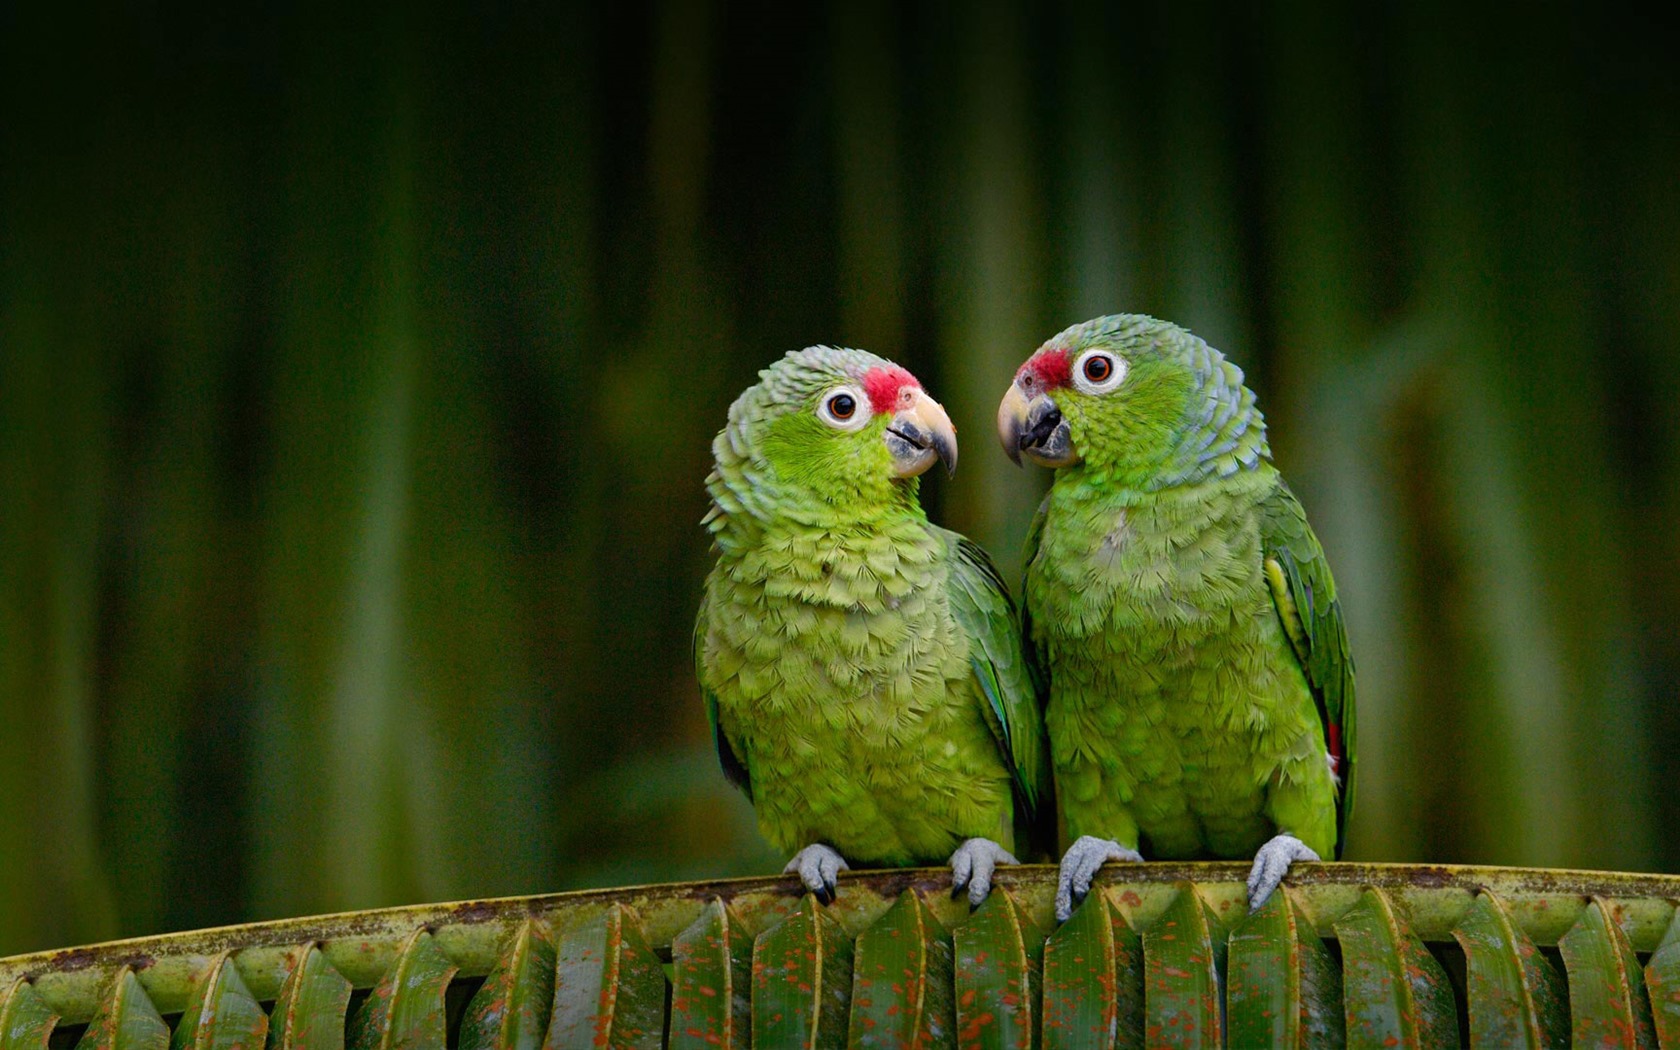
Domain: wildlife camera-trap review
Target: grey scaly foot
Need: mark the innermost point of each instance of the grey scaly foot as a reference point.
(972, 866)
(1079, 866)
(818, 867)
(1271, 864)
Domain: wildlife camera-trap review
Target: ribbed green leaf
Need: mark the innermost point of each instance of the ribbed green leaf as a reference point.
(1093, 979)
(1283, 989)
(1394, 993)
(997, 976)
(309, 1012)
(221, 1014)
(127, 1020)
(406, 1010)
(1662, 981)
(1608, 1007)
(901, 980)
(1183, 951)
(609, 986)
(26, 1023)
(711, 1005)
(802, 979)
(1516, 997)
(510, 1010)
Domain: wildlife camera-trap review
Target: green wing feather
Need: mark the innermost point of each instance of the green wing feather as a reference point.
(1305, 595)
(733, 768)
(1013, 704)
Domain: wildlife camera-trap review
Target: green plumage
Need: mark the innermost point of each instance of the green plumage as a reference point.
(1199, 670)
(862, 667)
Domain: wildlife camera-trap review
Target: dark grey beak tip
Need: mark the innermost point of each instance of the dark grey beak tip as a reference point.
(947, 454)
(1014, 454)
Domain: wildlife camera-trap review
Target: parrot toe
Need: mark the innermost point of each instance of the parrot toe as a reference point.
(1080, 865)
(819, 868)
(972, 865)
(1272, 863)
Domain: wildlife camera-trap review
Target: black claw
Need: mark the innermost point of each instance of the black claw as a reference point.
(824, 895)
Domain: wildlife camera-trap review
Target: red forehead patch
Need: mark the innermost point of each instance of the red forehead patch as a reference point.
(1050, 367)
(883, 386)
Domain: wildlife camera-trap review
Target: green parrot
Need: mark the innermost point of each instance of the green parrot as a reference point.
(861, 668)
(1200, 687)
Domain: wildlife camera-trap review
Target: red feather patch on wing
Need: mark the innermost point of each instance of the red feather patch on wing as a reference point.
(883, 386)
(1337, 756)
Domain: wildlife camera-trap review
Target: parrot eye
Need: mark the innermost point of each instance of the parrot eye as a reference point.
(843, 409)
(1098, 371)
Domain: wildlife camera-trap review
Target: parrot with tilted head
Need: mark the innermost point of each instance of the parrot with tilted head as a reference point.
(861, 668)
(1200, 688)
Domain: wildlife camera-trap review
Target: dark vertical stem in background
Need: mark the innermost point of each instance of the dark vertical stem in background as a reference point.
(1555, 383)
(1317, 273)
(19, 605)
(1203, 270)
(560, 360)
(1097, 242)
(869, 146)
(169, 615)
(1521, 794)
(57, 371)
(1648, 278)
(53, 463)
(646, 449)
(991, 286)
(666, 377)
(329, 785)
(1435, 114)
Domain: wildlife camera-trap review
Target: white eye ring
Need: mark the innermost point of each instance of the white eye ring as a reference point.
(831, 408)
(1116, 372)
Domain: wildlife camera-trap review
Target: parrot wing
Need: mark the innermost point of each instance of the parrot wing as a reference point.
(1305, 596)
(1012, 704)
(733, 768)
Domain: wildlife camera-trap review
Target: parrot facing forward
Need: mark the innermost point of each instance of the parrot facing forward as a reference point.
(1200, 687)
(861, 668)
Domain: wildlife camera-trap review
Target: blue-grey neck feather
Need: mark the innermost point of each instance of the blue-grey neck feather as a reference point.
(1223, 431)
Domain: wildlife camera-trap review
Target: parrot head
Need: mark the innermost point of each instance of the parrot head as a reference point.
(843, 428)
(1137, 398)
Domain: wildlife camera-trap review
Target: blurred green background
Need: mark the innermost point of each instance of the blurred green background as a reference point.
(357, 376)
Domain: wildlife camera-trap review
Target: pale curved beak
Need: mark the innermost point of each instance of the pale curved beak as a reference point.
(1034, 428)
(921, 432)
